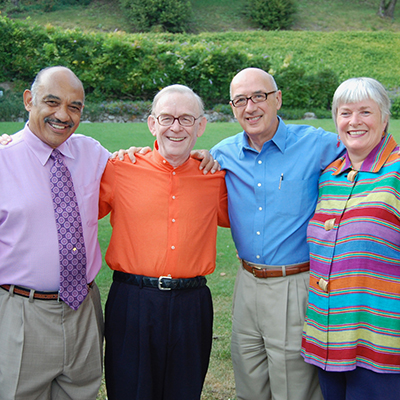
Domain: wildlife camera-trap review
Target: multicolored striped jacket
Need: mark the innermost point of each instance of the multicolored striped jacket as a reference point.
(353, 316)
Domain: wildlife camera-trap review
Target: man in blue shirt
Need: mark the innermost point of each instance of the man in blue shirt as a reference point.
(272, 173)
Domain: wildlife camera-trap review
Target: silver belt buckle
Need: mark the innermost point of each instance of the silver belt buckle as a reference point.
(160, 282)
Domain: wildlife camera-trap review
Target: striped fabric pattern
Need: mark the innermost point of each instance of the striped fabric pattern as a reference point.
(356, 321)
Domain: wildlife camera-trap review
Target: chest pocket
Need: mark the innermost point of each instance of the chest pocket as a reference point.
(296, 197)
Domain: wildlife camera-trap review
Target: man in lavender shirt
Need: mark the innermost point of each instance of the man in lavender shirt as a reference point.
(47, 349)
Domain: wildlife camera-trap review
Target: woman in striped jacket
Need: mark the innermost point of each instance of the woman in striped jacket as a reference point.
(352, 327)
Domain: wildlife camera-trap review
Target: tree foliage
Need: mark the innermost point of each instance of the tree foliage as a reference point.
(271, 14)
(165, 15)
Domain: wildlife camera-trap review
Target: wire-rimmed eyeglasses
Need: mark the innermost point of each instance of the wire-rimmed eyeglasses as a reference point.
(183, 120)
(242, 101)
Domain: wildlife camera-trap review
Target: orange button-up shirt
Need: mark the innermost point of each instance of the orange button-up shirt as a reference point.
(164, 219)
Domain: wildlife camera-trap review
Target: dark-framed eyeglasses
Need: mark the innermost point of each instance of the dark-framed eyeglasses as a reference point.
(255, 98)
(183, 120)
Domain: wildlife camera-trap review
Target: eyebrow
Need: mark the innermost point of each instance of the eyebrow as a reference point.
(53, 97)
(243, 95)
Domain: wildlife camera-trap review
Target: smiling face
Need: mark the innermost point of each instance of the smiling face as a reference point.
(258, 120)
(360, 127)
(175, 142)
(55, 112)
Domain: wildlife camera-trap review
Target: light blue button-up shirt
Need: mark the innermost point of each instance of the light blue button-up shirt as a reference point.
(272, 194)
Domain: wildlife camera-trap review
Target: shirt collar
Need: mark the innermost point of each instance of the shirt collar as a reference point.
(375, 159)
(163, 162)
(279, 139)
(41, 150)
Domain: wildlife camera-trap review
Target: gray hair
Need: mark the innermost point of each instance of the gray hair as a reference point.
(357, 89)
(182, 89)
(38, 80)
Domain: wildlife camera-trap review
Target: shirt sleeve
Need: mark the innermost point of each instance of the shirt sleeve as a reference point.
(331, 149)
(107, 186)
(223, 216)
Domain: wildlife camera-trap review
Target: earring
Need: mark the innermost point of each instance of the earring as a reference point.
(338, 141)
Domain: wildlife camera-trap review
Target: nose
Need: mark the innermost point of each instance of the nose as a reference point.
(176, 126)
(250, 106)
(355, 119)
(62, 113)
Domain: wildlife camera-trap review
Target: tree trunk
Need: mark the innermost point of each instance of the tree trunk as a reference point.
(386, 9)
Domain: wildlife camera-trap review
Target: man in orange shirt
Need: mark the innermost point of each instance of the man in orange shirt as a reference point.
(164, 213)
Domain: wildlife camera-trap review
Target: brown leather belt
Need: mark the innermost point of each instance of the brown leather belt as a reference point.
(291, 269)
(36, 294)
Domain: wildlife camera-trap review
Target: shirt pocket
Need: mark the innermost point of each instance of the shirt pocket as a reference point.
(296, 197)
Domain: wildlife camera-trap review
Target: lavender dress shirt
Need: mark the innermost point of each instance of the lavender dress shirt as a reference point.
(28, 236)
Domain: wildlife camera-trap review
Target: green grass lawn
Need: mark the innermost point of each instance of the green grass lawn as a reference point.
(219, 383)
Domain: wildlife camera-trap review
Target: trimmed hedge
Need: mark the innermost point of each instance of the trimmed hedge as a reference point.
(119, 66)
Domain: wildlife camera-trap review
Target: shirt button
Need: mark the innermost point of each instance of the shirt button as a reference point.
(258, 233)
(173, 247)
(351, 176)
(259, 161)
(329, 224)
(173, 219)
(260, 208)
(259, 184)
(173, 173)
(257, 256)
(164, 161)
(173, 197)
(323, 284)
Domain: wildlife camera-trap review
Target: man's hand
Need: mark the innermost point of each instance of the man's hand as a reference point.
(131, 153)
(5, 139)
(207, 161)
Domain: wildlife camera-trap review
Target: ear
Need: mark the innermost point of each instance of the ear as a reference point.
(151, 123)
(278, 99)
(202, 126)
(28, 100)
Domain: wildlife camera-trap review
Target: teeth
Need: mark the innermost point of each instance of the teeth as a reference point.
(175, 139)
(357, 133)
(253, 118)
(58, 126)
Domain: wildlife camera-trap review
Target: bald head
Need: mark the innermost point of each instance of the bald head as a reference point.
(253, 74)
(47, 73)
(55, 105)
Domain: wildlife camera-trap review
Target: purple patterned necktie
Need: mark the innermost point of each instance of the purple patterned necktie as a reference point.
(73, 284)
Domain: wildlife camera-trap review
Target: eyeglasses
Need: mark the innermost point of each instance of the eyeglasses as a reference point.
(184, 120)
(255, 98)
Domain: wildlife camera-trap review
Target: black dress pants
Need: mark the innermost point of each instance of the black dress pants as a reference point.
(158, 342)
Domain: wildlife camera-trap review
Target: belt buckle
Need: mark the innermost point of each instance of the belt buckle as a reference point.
(254, 269)
(160, 282)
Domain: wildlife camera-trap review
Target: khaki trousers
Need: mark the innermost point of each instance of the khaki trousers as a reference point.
(268, 319)
(49, 351)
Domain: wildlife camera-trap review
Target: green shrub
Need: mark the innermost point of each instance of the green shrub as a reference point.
(395, 110)
(303, 90)
(271, 14)
(164, 15)
(12, 106)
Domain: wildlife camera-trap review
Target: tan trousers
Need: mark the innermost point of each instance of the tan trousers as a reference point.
(49, 351)
(268, 318)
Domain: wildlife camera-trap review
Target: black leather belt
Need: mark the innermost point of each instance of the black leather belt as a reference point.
(162, 283)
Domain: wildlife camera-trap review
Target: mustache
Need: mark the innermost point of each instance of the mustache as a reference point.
(57, 121)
